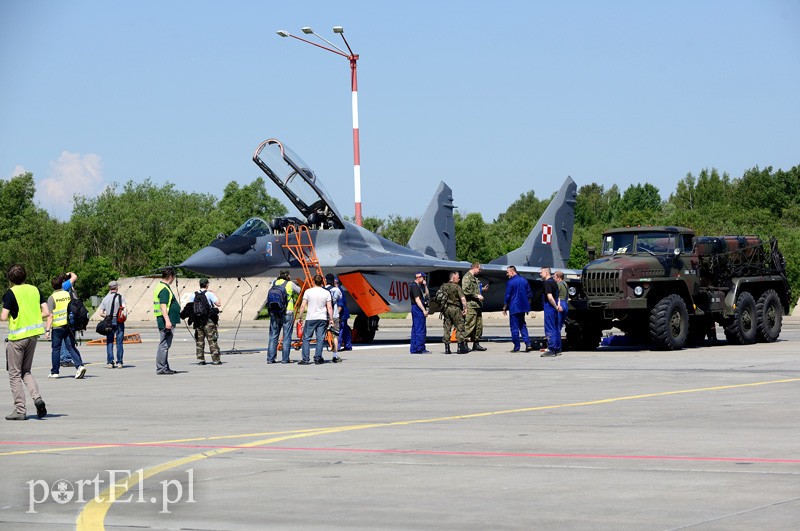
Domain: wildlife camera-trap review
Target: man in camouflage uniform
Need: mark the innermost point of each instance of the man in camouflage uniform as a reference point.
(473, 293)
(453, 313)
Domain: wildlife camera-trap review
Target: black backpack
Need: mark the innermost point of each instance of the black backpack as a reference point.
(77, 314)
(201, 308)
(441, 297)
(277, 298)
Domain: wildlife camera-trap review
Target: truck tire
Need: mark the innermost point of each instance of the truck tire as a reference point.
(669, 323)
(742, 328)
(582, 336)
(769, 317)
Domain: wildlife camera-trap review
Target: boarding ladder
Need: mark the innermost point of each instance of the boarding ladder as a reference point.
(298, 242)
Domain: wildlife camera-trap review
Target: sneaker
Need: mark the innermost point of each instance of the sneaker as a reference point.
(318, 361)
(110, 366)
(272, 361)
(16, 416)
(216, 362)
(41, 411)
(54, 375)
(66, 364)
(166, 371)
(336, 359)
(529, 347)
(80, 373)
(304, 362)
(119, 365)
(548, 353)
(201, 362)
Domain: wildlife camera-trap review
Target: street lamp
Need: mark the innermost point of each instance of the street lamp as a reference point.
(353, 58)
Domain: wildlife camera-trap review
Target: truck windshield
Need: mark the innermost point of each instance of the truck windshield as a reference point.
(642, 242)
(617, 243)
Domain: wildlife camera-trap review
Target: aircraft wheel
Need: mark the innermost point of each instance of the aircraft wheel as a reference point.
(364, 328)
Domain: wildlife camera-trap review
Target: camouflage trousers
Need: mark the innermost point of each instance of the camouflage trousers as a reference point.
(452, 318)
(473, 329)
(207, 332)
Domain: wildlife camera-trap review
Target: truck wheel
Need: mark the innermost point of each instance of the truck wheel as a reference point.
(669, 323)
(741, 330)
(769, 316)
(582, 336)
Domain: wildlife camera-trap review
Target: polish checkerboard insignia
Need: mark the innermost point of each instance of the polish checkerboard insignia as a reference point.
(547, 234)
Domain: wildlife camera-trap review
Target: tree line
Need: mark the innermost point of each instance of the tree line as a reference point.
(136, 228)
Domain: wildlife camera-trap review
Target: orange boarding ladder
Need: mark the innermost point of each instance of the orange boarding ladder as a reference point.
(298, 242)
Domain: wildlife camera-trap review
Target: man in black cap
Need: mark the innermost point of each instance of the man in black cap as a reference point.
(419, 312)
(282, 320)
(205, 319)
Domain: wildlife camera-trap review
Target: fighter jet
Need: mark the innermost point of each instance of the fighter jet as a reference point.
(375, 271)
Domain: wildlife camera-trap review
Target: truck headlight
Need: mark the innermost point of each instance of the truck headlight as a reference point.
(638, 290)
(572, 291)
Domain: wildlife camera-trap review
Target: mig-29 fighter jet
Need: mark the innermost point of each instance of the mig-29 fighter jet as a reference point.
(375, 271)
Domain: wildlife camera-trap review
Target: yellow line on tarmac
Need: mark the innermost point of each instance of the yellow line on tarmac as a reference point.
(92, 516)
(155, 443)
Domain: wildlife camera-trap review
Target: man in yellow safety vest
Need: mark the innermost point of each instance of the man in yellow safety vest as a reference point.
(24, 308)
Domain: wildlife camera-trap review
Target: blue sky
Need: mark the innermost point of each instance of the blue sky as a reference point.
(496, 99)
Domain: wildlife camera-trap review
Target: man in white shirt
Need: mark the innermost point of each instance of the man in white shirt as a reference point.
(317, 301)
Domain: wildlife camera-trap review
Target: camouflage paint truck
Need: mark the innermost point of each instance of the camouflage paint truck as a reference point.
(667, 287)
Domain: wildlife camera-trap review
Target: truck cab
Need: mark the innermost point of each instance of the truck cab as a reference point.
(666, 286)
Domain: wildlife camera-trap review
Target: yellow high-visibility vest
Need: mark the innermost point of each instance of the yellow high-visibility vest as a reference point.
(29, 319)
(156, 304)
(61, 299)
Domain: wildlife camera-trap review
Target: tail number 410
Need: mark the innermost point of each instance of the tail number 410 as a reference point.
(398, 291)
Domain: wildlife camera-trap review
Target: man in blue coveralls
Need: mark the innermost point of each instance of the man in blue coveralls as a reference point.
(550, 305)
(419, 312)
(517, 302)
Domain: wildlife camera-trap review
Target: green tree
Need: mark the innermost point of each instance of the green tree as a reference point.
(399, 229)
(472, 239)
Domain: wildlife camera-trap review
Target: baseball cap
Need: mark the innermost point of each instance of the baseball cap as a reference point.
(113, 284)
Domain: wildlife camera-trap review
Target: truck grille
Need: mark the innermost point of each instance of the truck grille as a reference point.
(602, 284)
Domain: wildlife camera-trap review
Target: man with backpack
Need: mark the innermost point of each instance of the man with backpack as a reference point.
(205, 316)
(114, 305)
(280, 305)
(65, 318)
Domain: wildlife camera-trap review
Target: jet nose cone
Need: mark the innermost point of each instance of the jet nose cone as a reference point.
(207, 261)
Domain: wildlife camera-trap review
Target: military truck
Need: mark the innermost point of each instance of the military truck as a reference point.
(668, 287)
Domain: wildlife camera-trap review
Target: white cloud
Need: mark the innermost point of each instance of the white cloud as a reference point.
(19, 169)
(71, 174)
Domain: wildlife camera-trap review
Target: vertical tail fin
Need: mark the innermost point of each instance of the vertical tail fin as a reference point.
(548, 244)
(435, 234)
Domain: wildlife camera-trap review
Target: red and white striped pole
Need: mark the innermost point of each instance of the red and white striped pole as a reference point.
(354, 87)
(356, 148)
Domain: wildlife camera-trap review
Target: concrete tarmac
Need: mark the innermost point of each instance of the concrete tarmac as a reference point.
(621, 438)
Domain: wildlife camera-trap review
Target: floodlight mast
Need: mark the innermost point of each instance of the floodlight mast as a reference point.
(353, 58)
